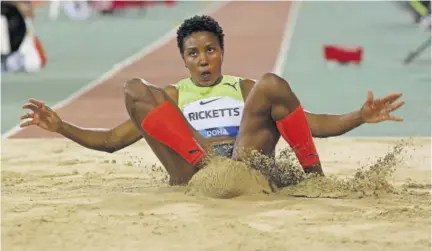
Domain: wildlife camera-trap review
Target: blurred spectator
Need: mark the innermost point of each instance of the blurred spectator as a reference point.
(75, 10)
(111, 7)
(421, 11)
(28, 55)
(81, 10)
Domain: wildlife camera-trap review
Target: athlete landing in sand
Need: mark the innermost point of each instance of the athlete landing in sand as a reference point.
(212, 112)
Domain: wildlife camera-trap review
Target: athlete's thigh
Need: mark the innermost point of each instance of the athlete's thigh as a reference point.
(258, 132)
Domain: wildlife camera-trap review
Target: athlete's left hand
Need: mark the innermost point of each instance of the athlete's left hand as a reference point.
(378, 110)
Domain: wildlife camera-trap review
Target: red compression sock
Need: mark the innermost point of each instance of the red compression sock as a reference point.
(294, 128)
(167, 125)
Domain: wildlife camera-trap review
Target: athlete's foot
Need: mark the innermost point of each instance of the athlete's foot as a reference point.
(204, 161)
(316, 169)
(179, 180)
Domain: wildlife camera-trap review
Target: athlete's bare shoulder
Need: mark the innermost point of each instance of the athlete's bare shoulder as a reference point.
(246, 86)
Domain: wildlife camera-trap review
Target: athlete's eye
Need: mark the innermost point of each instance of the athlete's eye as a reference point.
(192, 53)
(210, 50)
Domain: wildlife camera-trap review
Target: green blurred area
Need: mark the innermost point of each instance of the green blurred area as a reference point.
(387, 34)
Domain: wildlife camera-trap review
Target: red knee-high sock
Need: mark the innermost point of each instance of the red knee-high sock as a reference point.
(167, 125)
(295, 130)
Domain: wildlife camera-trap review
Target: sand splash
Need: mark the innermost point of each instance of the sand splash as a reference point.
(225, 178)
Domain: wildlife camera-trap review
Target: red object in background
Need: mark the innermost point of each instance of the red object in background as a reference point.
(124, 4)
(119, 4)
(170, 2)
(343, 55)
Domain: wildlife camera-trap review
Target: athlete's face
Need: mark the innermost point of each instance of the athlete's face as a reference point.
(203, 57)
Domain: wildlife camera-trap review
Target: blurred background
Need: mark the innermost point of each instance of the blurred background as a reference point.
(76, 55)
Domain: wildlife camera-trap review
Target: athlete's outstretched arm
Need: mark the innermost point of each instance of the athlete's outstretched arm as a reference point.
(328, 125)
(107, 140)
(372, 111)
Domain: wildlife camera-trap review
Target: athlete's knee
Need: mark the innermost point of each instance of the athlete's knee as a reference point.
(136, 89)
(274, 84)
(139, 90)
(271, 78)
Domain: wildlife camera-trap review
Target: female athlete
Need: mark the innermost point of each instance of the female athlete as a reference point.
(212, 113)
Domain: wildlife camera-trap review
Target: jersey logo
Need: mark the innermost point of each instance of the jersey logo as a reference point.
(232, 85)
(206, 102)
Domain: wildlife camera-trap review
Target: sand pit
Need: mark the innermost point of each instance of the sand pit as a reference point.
(57, 195)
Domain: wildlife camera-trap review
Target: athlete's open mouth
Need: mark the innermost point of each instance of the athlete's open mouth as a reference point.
(206, 75)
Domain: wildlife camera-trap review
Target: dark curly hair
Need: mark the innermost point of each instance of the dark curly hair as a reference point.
(199, 24)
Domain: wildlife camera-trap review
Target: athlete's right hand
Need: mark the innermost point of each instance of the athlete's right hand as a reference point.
(41, 115)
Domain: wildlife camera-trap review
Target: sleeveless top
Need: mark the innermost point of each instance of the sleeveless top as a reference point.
(214, 111)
